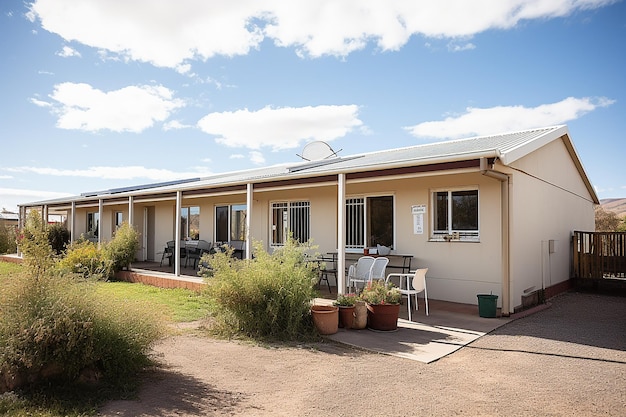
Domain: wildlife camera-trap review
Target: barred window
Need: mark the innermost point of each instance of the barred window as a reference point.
(369, 221)
(290, 217)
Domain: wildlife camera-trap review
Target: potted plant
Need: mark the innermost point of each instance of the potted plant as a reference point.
(346, 303)
(383, 305)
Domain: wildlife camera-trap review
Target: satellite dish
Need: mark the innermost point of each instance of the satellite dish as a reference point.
(317, 151)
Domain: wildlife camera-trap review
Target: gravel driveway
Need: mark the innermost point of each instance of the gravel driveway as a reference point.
(569, 359)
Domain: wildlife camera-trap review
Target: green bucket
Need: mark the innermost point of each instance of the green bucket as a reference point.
(487, 305)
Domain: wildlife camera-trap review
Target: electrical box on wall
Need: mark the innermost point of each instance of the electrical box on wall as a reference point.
(551, 246)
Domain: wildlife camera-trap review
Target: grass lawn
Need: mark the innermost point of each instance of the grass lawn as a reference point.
(180, 305)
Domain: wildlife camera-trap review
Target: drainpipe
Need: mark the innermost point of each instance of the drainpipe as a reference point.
(505, 183)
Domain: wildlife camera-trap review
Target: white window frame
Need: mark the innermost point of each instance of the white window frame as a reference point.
(289, 205)
(451, 234)
(366, 232)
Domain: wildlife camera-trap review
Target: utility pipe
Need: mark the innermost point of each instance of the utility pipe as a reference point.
(505, 183)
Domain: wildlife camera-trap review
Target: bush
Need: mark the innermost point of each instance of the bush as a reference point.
(34, 244)
(122, 249)
(57, 328)
(85, 259)
(7, 239)
(58, 237)
(267, 297)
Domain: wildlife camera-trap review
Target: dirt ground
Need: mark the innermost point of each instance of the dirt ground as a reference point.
(569, 359)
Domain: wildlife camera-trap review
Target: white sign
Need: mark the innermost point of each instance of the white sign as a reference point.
(418, 212)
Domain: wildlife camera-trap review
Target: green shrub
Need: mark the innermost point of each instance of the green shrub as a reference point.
(122, 249)
(33, 242)
(87, 260)
(57, 328)
(267, 297)
(58, 237)
(7, 239)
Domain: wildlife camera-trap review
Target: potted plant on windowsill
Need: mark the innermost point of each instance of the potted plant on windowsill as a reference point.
(383, 305)
(346, 303)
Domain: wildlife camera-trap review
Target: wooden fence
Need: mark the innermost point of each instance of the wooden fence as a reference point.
(599, 255)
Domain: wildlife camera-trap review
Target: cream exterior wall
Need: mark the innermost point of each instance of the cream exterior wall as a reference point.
(457, 270)
(548, 202)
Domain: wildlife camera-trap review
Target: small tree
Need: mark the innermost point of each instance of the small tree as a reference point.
(606, 221)
(58, 237)
(7, 239)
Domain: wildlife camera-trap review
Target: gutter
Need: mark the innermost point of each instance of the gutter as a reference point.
(506, 251)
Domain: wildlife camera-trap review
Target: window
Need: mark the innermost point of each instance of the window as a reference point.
(230, 223)
(369, 222)
(190, 223)
(119, 219)
(291, 217)
(93, 220)
(455, 212)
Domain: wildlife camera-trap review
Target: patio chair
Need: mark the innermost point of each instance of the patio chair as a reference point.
(328, 266)
(195, 250)
(412, 284)
(379, 268)
(168, 252)
(360, 272)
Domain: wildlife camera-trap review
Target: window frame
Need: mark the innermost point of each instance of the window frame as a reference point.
(231, 208)
(364, 231)
(463, 235)
(93, 220)
(288, 206)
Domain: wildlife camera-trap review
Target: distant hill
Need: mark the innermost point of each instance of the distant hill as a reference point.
(616, 205)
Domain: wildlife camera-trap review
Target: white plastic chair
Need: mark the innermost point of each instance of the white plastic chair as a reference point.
(360, 272)
(412, 284)
(379, 268)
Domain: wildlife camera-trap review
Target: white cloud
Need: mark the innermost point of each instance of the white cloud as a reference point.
(79, 106)
(116, 173)
(477, 121)
(67, 52)
(6, 177)
(11, 197)
(175, 32)
(174, 125)
(237, 156)
(281, 128)
(257, 158)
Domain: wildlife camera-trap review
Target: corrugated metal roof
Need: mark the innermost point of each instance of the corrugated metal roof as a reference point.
(508, 147)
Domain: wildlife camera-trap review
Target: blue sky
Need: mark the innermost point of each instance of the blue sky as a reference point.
(99, 94)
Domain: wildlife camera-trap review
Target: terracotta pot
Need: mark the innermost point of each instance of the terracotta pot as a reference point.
(325, 319)
(360, 315)
(346, 316)
(383, 316)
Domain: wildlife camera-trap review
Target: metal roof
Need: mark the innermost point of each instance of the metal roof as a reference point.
(507, 147)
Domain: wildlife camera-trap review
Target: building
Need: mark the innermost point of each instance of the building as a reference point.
(491, 214)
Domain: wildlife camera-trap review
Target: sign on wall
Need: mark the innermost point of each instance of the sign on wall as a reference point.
(418, 212)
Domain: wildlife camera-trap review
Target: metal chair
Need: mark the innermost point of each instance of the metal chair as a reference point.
(168, 252)
(195, 250)
(412, 284)
(379, 268)
(360, 272)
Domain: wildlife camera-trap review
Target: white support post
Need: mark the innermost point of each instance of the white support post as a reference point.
(177, 234)
(249, 200)
(100, 209)
(131, 211)
(341, 233)
(73, 222)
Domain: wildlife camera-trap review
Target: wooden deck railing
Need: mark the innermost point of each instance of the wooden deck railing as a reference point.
(599, 255)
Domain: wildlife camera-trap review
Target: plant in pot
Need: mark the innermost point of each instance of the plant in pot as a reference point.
(346, 303)
(383, 305)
